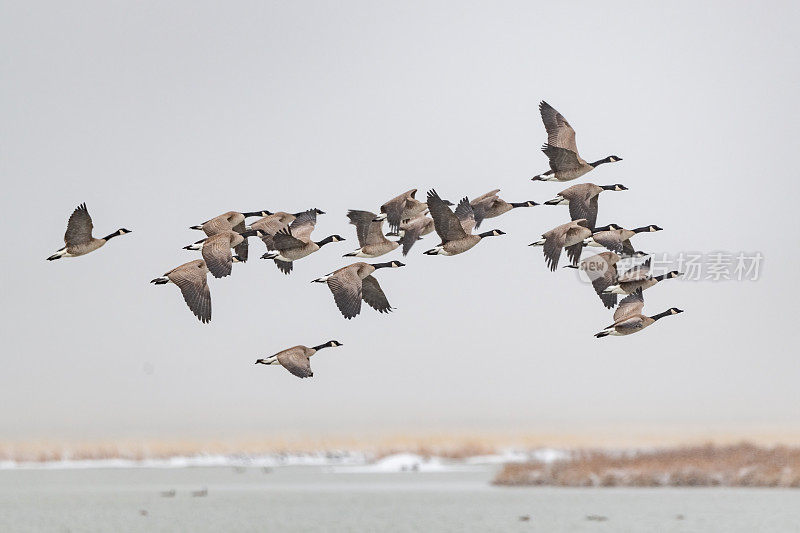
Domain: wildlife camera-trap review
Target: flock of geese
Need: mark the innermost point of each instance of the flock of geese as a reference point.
(287, 237)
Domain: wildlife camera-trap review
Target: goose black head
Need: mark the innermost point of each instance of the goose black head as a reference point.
(123, 231)
(334, 344)
(613, 158)
(615, 187)
(263, 213)
(674, 310)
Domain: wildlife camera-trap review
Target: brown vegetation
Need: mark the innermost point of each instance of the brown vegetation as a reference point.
(741, 465)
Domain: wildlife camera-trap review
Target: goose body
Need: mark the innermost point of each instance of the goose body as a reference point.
(601, 269)
(78, 238)
(370, 235)
(191, 279)
(490, 205)
(297, 358)
(272, 224)
(454, 229)
(628, 317)
(216, 250)
(294, 242)
(582, 200)
(354, 283)
(561, 150)
(637, 278)
(569, 236)
(414, 229)
(400, 208)
(617, 239)
(230, 221)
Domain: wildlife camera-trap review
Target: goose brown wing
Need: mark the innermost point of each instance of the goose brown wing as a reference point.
(372, 293)
(610, 239)
(447, 225)
(79, 227)
(466, 215)
(408, 239)
(296, 362)
(286, 240)
(561, 158)
(480, 206)
(191, 280)
(637, 273)
(346, 288)
(394, 208)
(362, 220)
(216, 253)
(584, 208)
(629, 306)
(559, 131)
(304, 224)
(241, 248)
(553, 244)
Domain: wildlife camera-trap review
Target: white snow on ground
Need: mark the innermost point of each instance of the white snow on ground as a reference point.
(340, 461)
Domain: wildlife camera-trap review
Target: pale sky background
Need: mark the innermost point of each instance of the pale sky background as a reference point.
(161, 115)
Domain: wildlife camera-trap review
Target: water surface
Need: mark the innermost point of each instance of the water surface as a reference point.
(319, 499)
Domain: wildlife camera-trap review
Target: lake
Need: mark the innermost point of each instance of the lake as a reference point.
(323, 499)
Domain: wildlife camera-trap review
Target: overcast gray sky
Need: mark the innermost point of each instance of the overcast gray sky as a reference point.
(161, 115)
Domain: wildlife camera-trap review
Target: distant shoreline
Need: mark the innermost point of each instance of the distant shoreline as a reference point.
(741, 465)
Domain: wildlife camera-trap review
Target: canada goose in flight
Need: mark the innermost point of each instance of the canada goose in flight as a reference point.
(370, 235)
(618, 239)
(400, 208)
(78, 238)
(637, 278)
(354, 283)
(455, 229)
(412, 230)
(296, 359)
(272, 224)
(191, 280)
(582, 200)
(490, 205)
(232, 220)
(561, 150)
(216, 250)
(628, 317)
(569, 236)
(601, 269)
(294, 242)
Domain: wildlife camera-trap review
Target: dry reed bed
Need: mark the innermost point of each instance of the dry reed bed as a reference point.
(741, 465)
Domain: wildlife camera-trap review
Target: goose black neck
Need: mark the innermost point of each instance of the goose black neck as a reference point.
(659, 278)
(321, 346)
(529, 203)
(600, 161)
(488, 234)
(325, 241)
(608, 187)
(258, 213)
(109, 237)
(387, 264)
(661, 315)
(641, 230)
